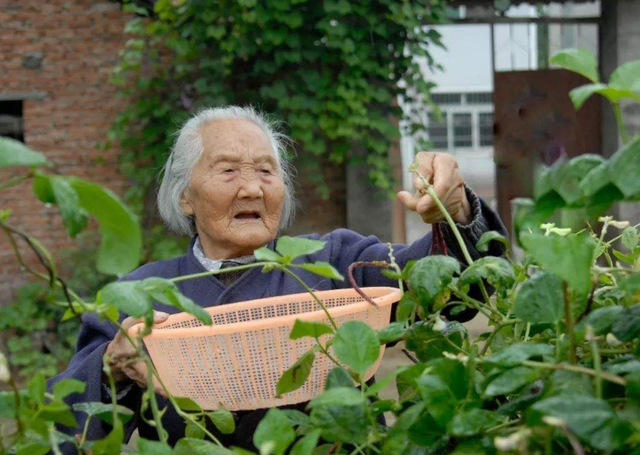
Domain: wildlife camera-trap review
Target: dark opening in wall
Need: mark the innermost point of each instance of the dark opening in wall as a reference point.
(11, 122)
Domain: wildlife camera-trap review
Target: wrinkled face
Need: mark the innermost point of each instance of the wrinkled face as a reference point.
(236, 191)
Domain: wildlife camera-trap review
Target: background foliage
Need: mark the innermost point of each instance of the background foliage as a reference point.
(332, 70)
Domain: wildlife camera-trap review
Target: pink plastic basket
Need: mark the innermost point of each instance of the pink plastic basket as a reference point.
(236, 363)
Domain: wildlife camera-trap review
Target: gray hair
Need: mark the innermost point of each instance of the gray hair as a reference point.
(187, 151)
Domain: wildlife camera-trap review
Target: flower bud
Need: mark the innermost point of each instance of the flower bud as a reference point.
(553, 421)
(439, 325)
(588, 333)
(5, 374)
(620, 224)
(612, 340)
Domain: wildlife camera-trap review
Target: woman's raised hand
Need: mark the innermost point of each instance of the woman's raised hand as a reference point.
(440, 170)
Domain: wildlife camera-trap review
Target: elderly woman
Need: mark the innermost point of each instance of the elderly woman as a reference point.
(227, 185)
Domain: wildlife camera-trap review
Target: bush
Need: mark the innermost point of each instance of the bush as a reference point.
(558, 372)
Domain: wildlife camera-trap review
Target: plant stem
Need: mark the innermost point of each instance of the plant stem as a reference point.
(495, 332)
(447, 216)
(569, 324)
(14, 181)
(597, 366)
(578, 369)
(154, 403)
(620, 122)
(310, 291)
(216, 272)
(16, 394)
(558, 341)
(325, 351)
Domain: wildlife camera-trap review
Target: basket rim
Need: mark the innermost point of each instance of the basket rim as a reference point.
(386, 296)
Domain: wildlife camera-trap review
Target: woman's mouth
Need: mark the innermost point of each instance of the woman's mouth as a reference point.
(247, 216)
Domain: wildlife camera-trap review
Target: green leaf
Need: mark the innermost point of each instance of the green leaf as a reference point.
(15, 153)
(540, 299)
(630, 237)
(602, 319)
(323, 269)
(484, 243)
(627, 77)
(37, 388)
(303, 329)
(223, 420)
(626, 327)
(591, 419)
(338, 377)
(188, 446)
(346, 424)
(265, 254)
(624, 168)
(405, 307)
(567, 176)
(437, 397)
(146, 447)
(579, 61)
(165, 291)
(112, 443)
(187, 404)
(295, 247)
(66, 387)
(596, 179)
(430, 276)
(396, 442)
(471, 422)
(121, 243)
(338, 396)
(566, 257)
(128, 298)
(581, 94)
(393, 332)
(297, 375)
(74, 216)
(104, 411)
(356, 344)
(511, 381)
(496, 270)
(274, 431)
(513, 355)
(306, 445)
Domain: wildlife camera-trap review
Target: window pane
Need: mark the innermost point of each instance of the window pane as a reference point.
(437, 130)
(479, 98)
(486, 129)
(11, 120)
(462, 131)
(446, 98)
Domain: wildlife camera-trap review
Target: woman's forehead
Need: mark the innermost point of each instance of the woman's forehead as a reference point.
(229, 138)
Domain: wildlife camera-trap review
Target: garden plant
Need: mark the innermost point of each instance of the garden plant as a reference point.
(558, 371)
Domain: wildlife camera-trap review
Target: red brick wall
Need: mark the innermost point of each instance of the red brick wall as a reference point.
(69, 105)
(70, 108)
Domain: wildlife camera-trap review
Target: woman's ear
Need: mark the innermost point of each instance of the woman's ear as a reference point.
(186, 206)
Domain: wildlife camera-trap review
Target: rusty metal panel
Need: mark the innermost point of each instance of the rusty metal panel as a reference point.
(535, 122)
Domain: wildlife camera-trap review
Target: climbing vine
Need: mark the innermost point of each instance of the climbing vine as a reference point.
(332, 70)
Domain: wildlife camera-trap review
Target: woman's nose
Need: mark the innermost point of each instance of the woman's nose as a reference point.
(250, 188)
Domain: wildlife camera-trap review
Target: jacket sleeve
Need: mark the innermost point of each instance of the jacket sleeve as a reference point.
(348, 247)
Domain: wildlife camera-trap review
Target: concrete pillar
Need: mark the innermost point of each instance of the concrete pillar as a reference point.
(620, 43)
(368, 212)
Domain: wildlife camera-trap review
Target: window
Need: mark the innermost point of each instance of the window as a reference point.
(479, 98)
(462, 131)
(486, 129)
(11, 120)
(438, 131)
(446, 98)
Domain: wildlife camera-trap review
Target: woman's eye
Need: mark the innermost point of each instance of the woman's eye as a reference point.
(228, 171)
(265, 171)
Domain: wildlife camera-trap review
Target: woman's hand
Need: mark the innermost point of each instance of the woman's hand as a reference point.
(123, 357)
(441, 170)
